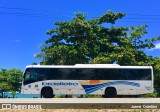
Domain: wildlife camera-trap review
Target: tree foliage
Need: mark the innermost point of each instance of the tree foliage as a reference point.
(91, 41)
(10, 80)
(99, 40)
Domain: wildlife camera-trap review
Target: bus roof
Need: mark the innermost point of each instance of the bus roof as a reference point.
(86, 66)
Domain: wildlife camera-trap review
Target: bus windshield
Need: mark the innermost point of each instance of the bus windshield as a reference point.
(32, 75)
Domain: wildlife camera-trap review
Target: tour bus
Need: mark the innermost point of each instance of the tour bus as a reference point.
(108, 80)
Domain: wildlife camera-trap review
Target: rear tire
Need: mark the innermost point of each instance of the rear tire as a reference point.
(47, 92)
(110, 93)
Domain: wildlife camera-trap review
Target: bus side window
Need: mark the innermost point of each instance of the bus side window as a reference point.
(33, 76)
(73, 74)
(42, 77)
(144, 74)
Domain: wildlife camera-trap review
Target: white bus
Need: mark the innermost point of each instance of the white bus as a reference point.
(108, 80)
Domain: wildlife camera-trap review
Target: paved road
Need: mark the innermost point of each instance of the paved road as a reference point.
(81, 103)
(81, 100)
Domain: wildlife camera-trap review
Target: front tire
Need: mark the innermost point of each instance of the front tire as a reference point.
(110, 93)
(47, 92)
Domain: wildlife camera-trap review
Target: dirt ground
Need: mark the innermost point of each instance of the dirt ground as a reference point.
(85, 110)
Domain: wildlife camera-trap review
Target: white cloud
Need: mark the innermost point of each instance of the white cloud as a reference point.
(157, 46)
(17, 41)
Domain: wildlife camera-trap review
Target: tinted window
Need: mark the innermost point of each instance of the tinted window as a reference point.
(40, 74)
(30, 76)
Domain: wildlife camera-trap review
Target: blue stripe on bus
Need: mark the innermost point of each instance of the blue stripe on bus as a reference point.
(92, 88)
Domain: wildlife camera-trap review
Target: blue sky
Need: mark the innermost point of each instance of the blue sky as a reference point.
(23, 23)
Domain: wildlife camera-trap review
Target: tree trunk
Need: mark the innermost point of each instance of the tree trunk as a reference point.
(2, 93)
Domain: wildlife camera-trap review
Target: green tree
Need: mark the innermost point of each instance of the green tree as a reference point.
(15, 79)
(34, 63)
(132, 47)
(10, 80)
(81, 40)
(156, 66)
(91, 41)
(4, 81)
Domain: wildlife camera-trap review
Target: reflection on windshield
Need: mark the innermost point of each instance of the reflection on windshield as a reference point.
(33, 76)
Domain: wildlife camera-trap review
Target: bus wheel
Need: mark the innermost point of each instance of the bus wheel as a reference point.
(110, 93)
(47, 92)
